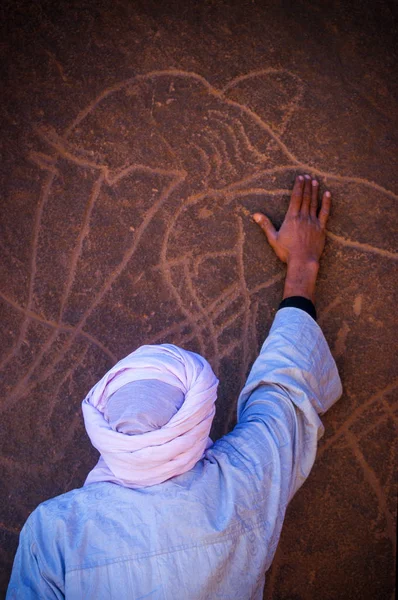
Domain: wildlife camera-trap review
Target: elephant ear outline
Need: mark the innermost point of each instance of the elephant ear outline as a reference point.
(272, 94)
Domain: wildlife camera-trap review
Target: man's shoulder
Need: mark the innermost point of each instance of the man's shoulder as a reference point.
(75, 502)
(73, 530)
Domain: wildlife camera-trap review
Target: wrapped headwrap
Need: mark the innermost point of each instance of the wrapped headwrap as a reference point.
(150, 416)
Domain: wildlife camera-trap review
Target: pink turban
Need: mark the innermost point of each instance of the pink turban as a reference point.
(150, 416)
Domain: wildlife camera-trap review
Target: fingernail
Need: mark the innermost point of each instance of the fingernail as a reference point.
(300, 178)
(257, 218)
(314, 182)
(307, 176)
(328, 194)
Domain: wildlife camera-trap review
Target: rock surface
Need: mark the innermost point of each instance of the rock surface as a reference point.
(139, 137)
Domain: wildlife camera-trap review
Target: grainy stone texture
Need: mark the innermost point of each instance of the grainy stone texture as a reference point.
(139, 136)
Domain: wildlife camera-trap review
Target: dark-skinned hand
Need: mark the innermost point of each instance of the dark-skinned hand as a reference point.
(301, 237)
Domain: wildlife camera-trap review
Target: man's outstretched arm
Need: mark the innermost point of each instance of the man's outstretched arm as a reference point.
(271, 450)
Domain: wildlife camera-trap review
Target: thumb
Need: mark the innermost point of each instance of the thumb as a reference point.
(267, 227)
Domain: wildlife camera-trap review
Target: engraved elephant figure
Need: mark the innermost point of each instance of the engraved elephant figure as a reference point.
(175, 167)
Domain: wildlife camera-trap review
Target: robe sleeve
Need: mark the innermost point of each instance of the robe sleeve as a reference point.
(293, 381)
(31, 577)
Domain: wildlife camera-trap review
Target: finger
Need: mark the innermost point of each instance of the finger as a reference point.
(296, 198)
(305, 205)
(325, 209)
(314, 198)
(267, 227)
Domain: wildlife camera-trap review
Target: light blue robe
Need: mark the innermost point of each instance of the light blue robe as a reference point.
(209, 533)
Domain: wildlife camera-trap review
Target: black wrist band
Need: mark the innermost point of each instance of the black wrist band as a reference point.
(301, 303)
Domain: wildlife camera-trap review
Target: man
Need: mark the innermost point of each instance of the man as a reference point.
(166, 514)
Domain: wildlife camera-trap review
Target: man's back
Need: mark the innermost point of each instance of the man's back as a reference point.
(199, 535)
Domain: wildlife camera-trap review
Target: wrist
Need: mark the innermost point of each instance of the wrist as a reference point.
(307, 264)
(301, 279)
